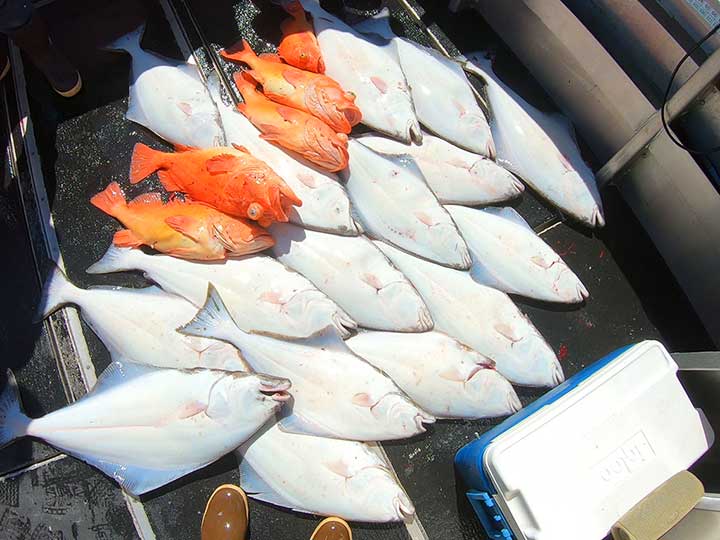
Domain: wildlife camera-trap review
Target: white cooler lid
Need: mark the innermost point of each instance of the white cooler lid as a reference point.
(572, 469)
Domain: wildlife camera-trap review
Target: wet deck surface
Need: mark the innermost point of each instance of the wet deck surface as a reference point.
(86, 142)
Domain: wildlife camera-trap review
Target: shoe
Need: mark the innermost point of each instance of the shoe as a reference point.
(34, 40)
(226, 515)
(332, 528)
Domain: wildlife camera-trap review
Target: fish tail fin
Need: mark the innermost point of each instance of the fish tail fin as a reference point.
(13, 421)
(240, 52)
(144, 162)
(130, 42)
(110, 199)
(213, 320)
(56, 292)
(116, 259)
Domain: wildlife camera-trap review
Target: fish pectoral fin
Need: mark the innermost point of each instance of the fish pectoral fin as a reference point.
(168, 180)
(288, 113)
(363, 400)
(221, 164)
(296, 423)
(183, 147)
(184, 225)
(294, 76)
(126, 238)
(137, 480)
(339, 467)
(452, 374)
(240, 148)
(259, 489)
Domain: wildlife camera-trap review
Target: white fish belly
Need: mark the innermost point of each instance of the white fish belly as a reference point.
(356, 275)
(444, 377)
(509, 256)
(372, 73)
(444, 102)
(261, 294)
(323, 476)
(541, 149)
(173, 102)
(140, 326)
(395, 204)
(455, 175)
(333, 389)
(482, 318)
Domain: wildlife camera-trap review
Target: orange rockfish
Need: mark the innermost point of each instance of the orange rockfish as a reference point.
(229, 179)
(310, 92)
(299, 47)
(293, 129)
(190, 230)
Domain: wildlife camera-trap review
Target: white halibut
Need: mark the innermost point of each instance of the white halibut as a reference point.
(356, 275)
(317, 475)
(441, 93)
(369, 70)
(540, 148)
(261, 293)
(482, 318)
(456, 176)
(145, 427)
(394, 203)
(169, 97)
(443, 376)
(509, 256)
(325, 205)
(335, 393)
(139, 325)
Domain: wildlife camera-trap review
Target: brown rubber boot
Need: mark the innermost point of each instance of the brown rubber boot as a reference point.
(332, 528)
(34, 40)
(226, 515)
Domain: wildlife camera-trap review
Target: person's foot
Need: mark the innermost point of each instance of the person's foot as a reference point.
(226, 515)
(332, 528)
(34, 40)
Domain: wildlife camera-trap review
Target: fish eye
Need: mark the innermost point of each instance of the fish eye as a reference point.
(254, 211)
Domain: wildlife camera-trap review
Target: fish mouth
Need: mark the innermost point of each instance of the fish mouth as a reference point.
(415, 134)
(490, 150)
(582, 291)
(557, 375)
(275, 389)
(423, 418)
(404, 508)
(513, 401)
(597, 219)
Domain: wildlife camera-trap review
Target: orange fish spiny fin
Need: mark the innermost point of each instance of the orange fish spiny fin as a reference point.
(126, 238)
(271, 57)
(152, 198)
(169, 181)
(185, 225)
(221, 164)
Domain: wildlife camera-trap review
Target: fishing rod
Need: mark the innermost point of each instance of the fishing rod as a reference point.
(209, 52)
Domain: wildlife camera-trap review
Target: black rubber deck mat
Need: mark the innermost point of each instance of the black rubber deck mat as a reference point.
(86, 142)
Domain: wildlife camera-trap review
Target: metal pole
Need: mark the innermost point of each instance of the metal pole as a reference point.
(683, 98)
